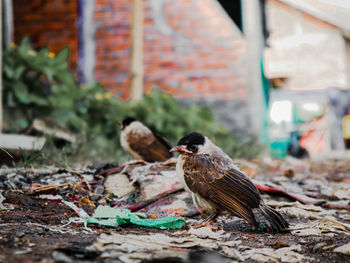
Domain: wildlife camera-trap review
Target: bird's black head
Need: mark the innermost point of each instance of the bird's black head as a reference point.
(189, 144)
(126, 122)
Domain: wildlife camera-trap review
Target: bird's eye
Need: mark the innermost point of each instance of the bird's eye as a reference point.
(193, 148)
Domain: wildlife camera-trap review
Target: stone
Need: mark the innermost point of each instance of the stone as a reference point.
(119, 185)
(99, 190)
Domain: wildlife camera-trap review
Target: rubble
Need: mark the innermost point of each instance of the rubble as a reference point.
(118, 184)
(14, 143)
(345, 249)
(138, 248)
(55, 214)
(49, 127)
(2, 199)
(285, 254)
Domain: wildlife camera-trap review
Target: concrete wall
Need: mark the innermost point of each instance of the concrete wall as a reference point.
(310, 53)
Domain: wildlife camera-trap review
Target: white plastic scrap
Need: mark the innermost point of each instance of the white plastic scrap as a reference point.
(284, 254)
(2, 199)
(345, 249)
(300, 211)
(340, 191)
(207, 232)
(50, 197)
(82, 215)
(118, 184)
(81, 212)
(60, 229)
(323, 226)
(160, 245)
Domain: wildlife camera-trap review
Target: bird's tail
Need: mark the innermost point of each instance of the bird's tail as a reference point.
(275, 219)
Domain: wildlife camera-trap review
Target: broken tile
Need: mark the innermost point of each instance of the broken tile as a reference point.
(119, 185)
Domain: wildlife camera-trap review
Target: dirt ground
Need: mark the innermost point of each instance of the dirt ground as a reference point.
(33, 229)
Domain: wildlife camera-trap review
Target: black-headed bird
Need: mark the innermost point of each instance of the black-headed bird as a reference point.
(138, 140)
(216, 184)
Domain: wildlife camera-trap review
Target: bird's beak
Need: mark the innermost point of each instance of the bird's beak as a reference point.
(180, 149)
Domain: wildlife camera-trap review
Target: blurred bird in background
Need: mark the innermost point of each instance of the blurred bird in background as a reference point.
(138, 140)
(217, 185)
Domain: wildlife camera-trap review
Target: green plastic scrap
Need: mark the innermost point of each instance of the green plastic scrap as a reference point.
(109, 216)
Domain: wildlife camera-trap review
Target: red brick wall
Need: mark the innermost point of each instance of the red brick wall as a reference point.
(50, 23)
(202, 57)
(113, 45)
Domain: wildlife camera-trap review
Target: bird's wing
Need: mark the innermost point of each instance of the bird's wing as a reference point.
(163, 141)
(227, 188)
(148, 146)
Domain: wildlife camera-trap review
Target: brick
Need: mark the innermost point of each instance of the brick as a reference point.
(203, 57)
(48, 23)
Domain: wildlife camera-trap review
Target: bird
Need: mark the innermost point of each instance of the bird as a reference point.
(138, 140)
(216, 184)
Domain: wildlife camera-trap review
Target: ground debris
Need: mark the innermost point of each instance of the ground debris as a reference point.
(321, 226)
(119, 185)
(344, 249)
(49, 127)
(43, 218)
(285, 254)
(160, 245)
(114, 217)
(301, 211)
(2, 199)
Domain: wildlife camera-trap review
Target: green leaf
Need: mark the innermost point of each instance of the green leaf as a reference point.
(65, 77)
(75, 122)
(62, 116)
(18, 71)
(9, 71)
(24, 47)
(21, 92)
(38, 100)
(62, 101)
(43, 54)
(22, 123)
(62, 56)
(25, 43)
(49, 73)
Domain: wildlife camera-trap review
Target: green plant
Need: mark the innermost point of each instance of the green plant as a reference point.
(162, 113)
(39, 84)
(28, 158)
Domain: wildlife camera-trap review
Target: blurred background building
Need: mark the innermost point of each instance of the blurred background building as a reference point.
(277, 69)
(307, 61)
(192, 49)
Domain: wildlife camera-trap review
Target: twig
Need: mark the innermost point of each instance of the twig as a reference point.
(333, 206)
(7, 152)
(47, 187)
(275, 191)
(122, 167)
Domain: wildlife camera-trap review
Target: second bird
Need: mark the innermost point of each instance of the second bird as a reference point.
(137, 139)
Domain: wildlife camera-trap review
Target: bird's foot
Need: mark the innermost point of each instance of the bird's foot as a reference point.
(183, 214)
(208, 221)
(206, 224)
